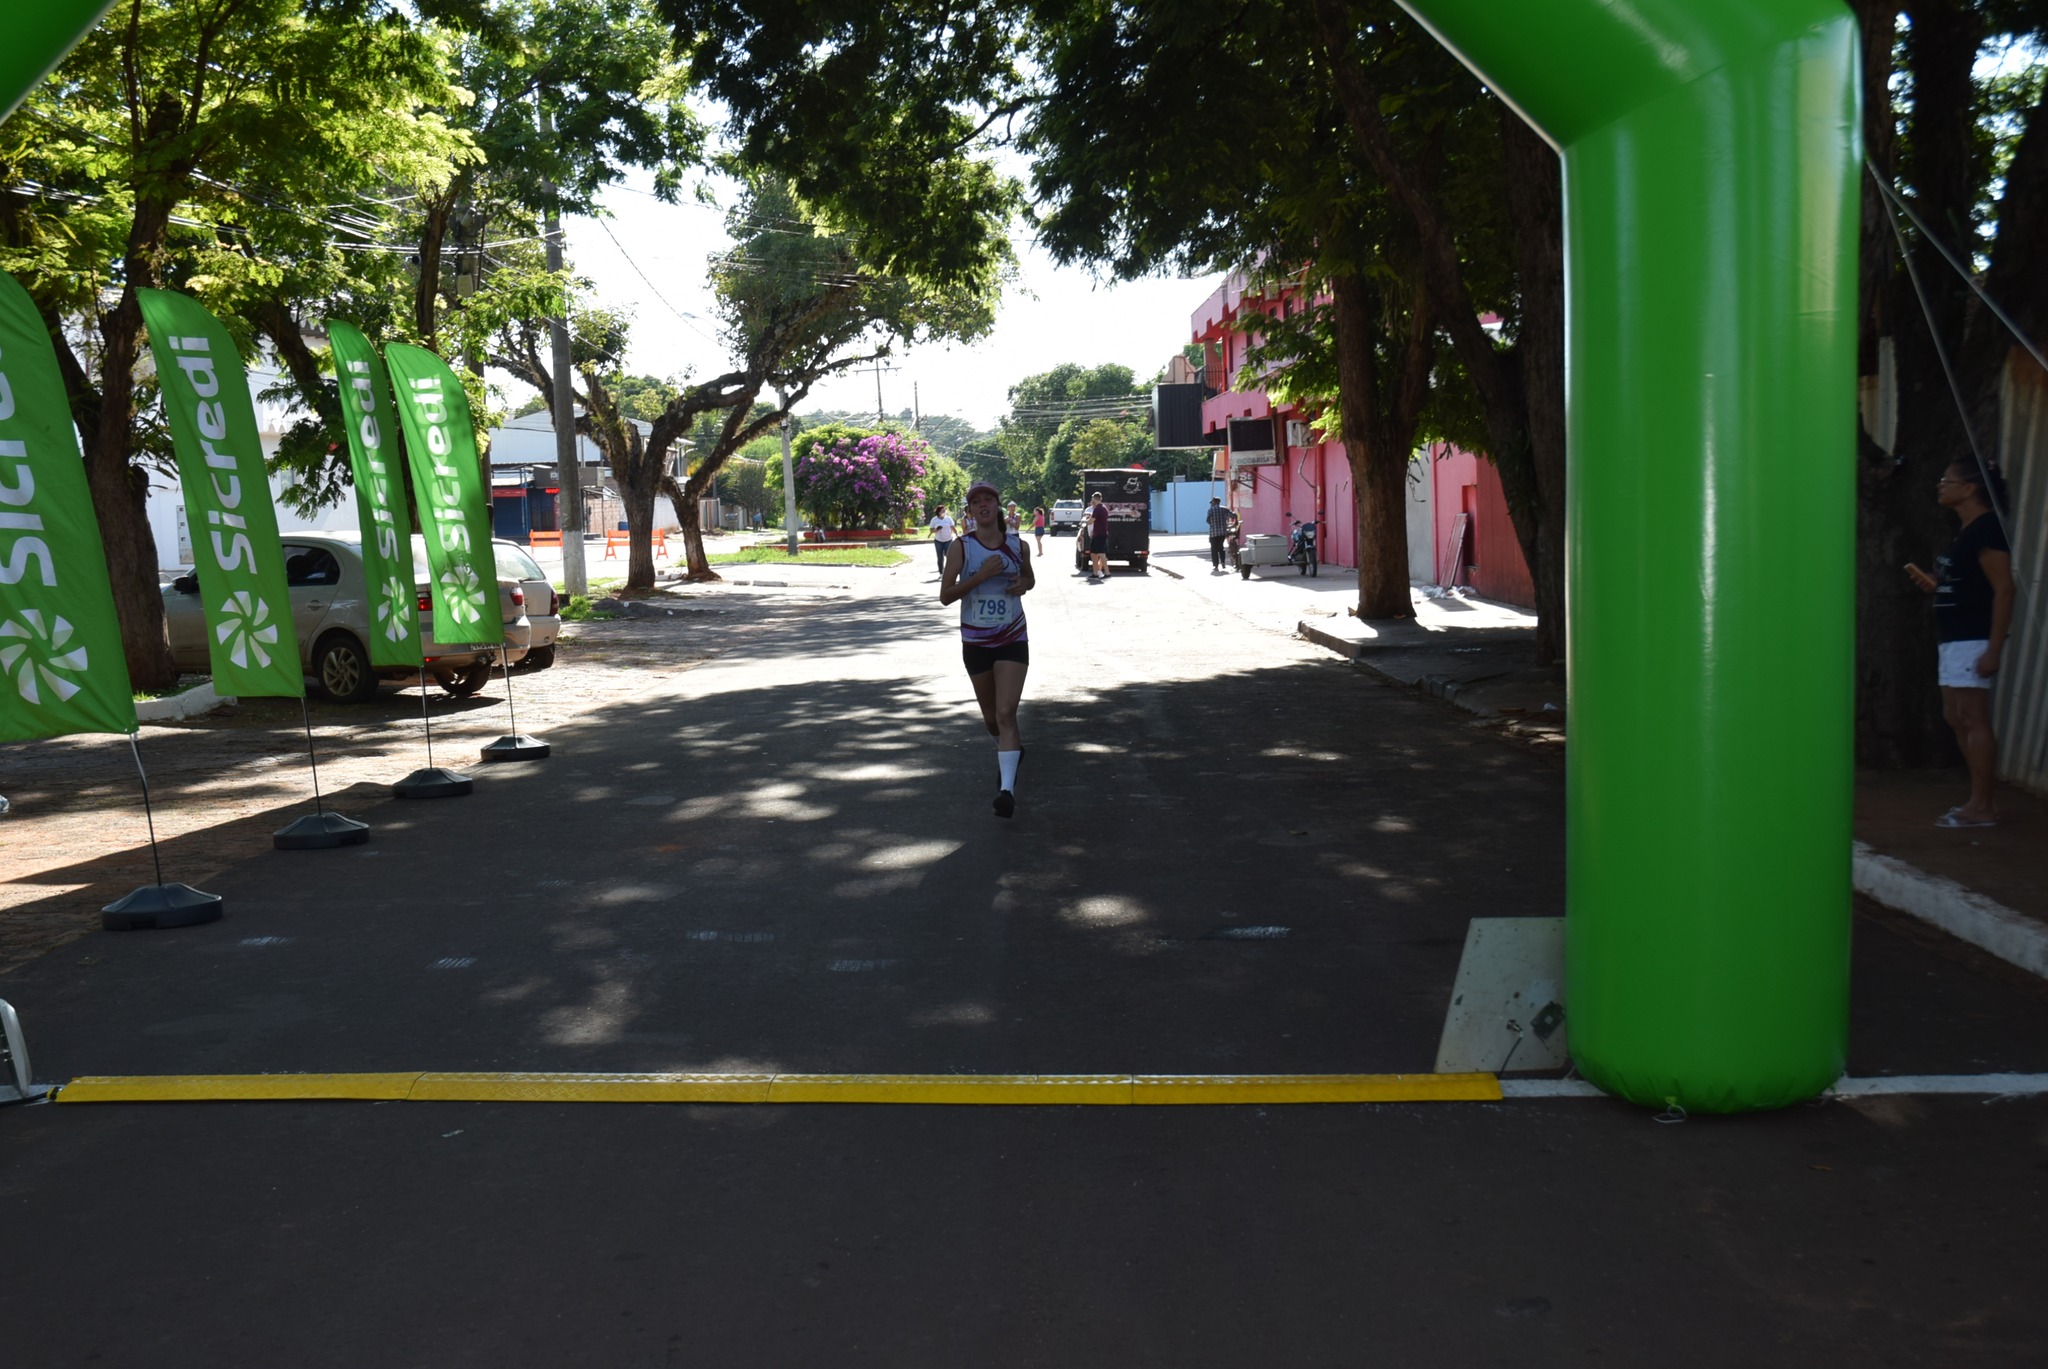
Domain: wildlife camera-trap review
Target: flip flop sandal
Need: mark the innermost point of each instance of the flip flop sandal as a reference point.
(1954, 818)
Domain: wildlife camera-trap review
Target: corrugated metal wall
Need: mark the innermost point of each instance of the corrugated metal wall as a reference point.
(2020, 704)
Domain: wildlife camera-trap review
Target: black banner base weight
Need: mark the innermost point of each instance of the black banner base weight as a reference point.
(517, 746)
(435, 783)
(320, 832)
(157, 906)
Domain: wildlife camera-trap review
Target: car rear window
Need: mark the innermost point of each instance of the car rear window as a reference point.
(515, 564)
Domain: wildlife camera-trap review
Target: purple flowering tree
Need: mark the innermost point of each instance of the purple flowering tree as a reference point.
(851, 478)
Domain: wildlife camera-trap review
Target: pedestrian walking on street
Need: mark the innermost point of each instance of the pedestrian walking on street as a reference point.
(1038, 528)
(1098, 538)
(987, 574)
(1219, 531)
(942, 534)
(1973, 601)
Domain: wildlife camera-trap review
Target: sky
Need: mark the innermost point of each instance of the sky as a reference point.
(649, 257)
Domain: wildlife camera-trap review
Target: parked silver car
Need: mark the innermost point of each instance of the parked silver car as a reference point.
(332, 611)
(543, 604)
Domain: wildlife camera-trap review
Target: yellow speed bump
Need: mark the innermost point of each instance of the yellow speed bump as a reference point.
(1116, 1090)
(591, 1088)
(234, 1088)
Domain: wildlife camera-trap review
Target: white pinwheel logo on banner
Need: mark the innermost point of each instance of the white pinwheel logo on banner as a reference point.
(42, 655)
(245, 628)
(394, 608)
(464, 592)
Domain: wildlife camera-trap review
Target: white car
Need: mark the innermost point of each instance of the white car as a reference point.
(543, 604)
(333, 610)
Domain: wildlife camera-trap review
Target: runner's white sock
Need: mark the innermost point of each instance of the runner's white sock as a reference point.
(1007, 762)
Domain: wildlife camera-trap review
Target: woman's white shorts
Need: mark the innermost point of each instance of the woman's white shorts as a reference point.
(1959, 665)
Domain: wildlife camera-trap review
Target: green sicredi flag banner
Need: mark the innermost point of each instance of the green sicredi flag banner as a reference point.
(239, 561)
(380, 496)
(440, 445)
(61, 667)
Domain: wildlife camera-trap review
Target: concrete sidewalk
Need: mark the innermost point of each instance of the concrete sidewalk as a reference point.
(1988, 886)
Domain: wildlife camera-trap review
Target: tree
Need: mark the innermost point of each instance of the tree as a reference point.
(744, 483)
(202, 148)
(1032, 458)
(880, 116)
(796, 305)
(1290, 198)
(847, 478)
(1968, 152)
(559, 97)
(1415, 115)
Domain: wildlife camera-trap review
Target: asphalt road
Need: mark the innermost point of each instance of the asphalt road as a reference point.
(783, 858)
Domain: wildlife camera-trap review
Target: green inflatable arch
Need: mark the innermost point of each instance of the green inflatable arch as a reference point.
(1710, 151)
(38, 40)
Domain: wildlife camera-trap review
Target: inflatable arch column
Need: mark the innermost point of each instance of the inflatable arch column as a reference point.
(1711, 150)
(38, 40)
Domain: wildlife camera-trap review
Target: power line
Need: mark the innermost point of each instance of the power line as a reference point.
(686, 318)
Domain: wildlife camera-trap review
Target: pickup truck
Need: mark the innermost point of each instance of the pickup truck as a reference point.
(1066, 515)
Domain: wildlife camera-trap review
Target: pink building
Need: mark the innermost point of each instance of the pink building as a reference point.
(1290, 476)
(1459, 530)
(1474, 543)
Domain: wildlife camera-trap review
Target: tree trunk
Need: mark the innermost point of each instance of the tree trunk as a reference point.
(1898, 705)
(639, 504)
(1379, 471)
(1535, 189)
(426, 303)
(697, 566)
(120, 494)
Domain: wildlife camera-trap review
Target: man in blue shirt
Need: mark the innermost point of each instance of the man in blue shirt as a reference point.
(1219, 532)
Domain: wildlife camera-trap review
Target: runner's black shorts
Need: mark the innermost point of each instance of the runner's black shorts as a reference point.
(1099, 543)
(982, 659)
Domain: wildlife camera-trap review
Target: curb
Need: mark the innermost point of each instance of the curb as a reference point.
(1983, 922)
(193, 702)
(1343, 646)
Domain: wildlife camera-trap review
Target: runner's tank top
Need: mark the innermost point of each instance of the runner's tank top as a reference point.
(990, 615)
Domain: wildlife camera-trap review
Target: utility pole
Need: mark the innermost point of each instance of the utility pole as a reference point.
(878, 368)
(916, 410)
(568, 469)
(788, 474)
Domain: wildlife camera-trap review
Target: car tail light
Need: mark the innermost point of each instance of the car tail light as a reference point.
(426, 603)
(554, 601)
(518, 597)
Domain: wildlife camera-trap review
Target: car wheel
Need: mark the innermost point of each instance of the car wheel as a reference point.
(343, 671)
(540, 658)
(470, 679)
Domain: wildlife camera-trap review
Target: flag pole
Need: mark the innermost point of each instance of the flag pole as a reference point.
(318, 830)
(159, 905)
(514, 745)
(434, 782)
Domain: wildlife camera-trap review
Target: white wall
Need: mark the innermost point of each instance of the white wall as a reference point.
(1421, 529)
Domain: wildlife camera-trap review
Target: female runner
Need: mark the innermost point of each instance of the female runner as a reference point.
(987, 573)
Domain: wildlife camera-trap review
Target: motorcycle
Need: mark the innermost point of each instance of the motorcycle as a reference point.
(1301, 550)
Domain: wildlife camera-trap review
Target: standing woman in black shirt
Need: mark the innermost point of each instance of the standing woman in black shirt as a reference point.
(1973, 598)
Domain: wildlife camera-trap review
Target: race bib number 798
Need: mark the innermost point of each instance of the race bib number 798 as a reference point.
(989, 610)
